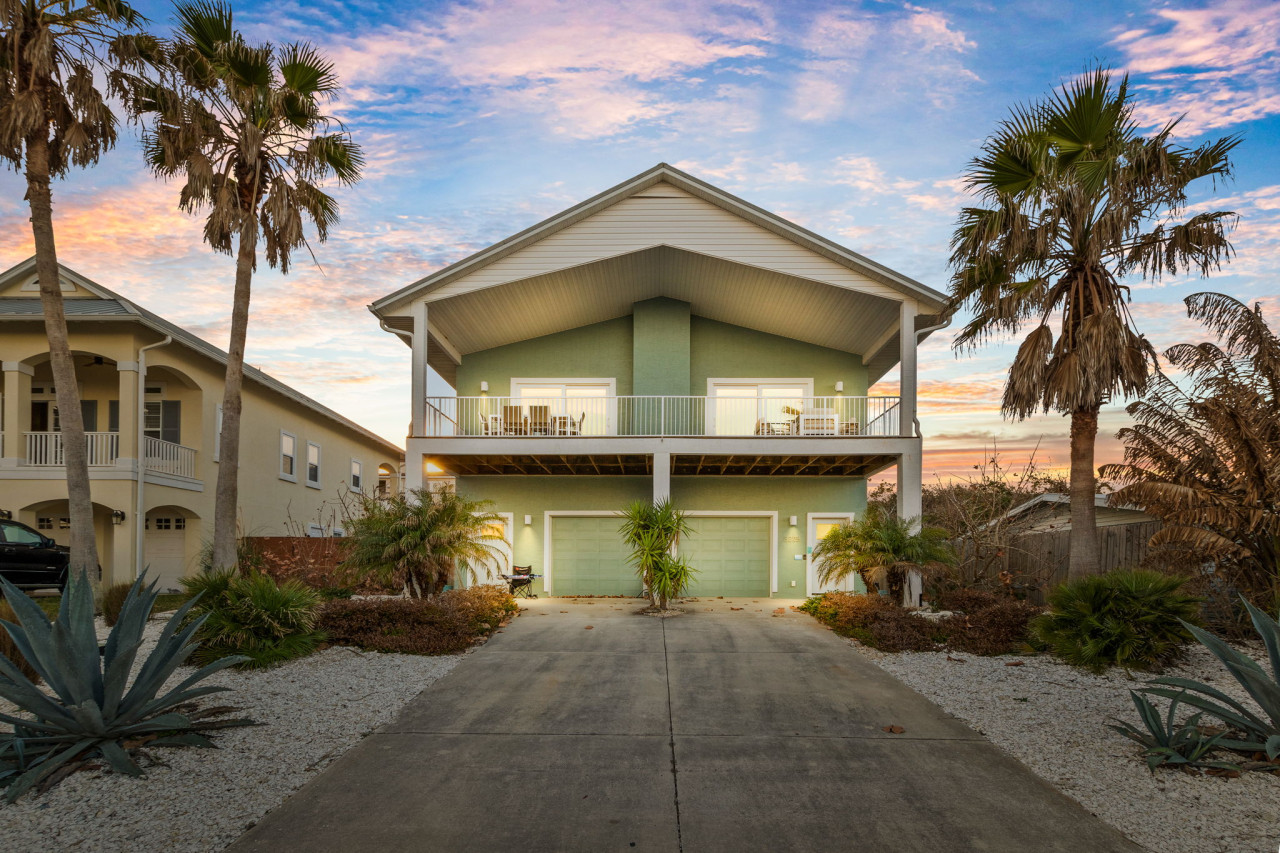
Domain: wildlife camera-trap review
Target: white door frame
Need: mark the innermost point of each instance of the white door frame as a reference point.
(810, 537)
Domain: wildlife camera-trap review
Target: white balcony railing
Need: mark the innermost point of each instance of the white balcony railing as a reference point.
(165, 457)
(837, 416)
(44, 449)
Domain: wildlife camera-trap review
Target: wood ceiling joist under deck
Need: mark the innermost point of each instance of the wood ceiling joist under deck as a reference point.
(681, 465)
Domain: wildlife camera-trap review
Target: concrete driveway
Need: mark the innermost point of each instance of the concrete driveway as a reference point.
(585, 727)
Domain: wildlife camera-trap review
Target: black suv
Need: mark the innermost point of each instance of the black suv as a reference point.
(30, 560)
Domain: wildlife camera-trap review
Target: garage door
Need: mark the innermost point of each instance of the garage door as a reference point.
(164, 549)
(588, 557)
(730, 554)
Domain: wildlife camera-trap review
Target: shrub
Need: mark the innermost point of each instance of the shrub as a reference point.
(1132, 619)
(967, 599)
(996, 628)
(897, 630)
(9, 649)
(251, 616)
(449, 623)
(112, 600)
(93, 709)
(848, 612)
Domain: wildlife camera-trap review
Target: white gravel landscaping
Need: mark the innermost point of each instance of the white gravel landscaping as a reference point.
(1053, 718)
(198, 800)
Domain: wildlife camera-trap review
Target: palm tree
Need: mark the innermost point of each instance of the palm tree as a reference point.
(1075, 201)
(422, 538)
(243, 126)
(1206, 460)
(881, 549)
(652, 529)
(54, 116)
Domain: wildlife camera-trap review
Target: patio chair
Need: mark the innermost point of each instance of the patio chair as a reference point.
(513, 420)
(576, 428)
(520, 583)
(539, 420)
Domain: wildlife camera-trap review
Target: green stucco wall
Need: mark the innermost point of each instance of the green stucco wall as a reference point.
(660, 348)
(723, 351)
(601, 350)
(786, 496)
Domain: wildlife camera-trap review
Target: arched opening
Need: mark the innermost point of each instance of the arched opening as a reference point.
(53, 519)
(97, 378)
(388, 479)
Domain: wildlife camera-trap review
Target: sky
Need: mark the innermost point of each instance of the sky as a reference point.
(853, 119)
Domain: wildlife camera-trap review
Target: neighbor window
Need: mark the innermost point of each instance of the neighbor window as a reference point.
(356, 478)
(288, 457)
(313, 464)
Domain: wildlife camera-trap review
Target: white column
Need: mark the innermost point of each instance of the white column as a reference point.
(661, 476)
(127, 416)
(419, 377)
(907, 368)
(415, 465)
(17, 412)
(910, 475)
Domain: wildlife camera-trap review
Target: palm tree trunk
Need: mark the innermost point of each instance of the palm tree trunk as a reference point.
(226, 500)
(1084, 486)
(75, 451)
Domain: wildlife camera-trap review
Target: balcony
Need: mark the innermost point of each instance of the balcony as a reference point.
(779, 418)
(45, 450)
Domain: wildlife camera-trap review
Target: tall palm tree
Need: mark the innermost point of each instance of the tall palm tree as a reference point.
(1205, 460)
(53, 116)
(422, 539)
(243, 125)
(1076, 200)
(882, 549)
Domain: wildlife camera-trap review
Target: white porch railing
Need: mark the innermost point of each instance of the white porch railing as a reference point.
(44, 449)
(165, 457)
(661, 417)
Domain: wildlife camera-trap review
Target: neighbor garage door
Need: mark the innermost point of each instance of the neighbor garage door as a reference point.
(730, 554)
(588, 557)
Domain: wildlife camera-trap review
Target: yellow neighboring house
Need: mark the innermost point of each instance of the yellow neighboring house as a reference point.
(152, 391)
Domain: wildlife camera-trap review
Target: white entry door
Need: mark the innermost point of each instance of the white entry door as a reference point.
(819, 526)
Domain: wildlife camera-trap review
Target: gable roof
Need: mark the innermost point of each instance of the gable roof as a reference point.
(932, 299)
(108, 305)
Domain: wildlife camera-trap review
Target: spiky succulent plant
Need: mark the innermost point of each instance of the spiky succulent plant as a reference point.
(92, 709)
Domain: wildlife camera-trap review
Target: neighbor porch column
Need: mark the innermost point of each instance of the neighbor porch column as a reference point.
(907, 368)
(419, 374)
(126, 420)
(17, 413)
(661, 476)
(910, 475)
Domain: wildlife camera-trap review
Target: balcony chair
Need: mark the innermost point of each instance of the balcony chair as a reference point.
(539, 420)
(513, 422)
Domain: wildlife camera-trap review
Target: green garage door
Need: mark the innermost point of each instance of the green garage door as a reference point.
(588, 557)
(731, 555)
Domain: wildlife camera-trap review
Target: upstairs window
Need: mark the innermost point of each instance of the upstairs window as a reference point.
(288, 457)
(356, 475)
(313, 464)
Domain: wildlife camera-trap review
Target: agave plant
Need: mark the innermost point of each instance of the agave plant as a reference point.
(1168, 742)
(92, 709)
(1261, 732)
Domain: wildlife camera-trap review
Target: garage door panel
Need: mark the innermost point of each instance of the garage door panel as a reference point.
(730, 555)
(589, 558)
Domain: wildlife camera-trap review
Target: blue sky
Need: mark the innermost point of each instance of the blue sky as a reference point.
(853, 119)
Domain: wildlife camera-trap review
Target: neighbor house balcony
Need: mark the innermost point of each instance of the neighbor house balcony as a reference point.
(779, 418)
(45, 450)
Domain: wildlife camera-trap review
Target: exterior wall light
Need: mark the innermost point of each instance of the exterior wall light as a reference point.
(6, 515)
(484, 387)
(840, 386)
(528, 520)
(117, 516)
(792, 520)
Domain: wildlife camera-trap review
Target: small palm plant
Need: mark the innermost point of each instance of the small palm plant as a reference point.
(248, 614)
(92, 710)
(422, 539)
(652, 530)
(882, 549)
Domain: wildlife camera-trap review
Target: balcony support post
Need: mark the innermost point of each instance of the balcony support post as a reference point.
(418, 393)
(661, 476)
(910, 475)
(17, 412)
(907, 368)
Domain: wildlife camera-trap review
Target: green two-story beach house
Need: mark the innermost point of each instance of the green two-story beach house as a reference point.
(665, 338)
